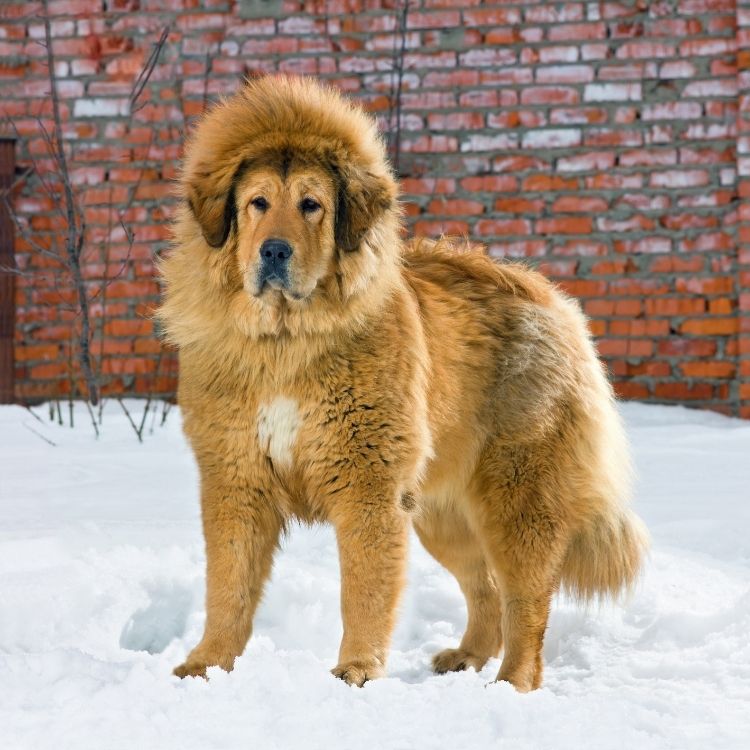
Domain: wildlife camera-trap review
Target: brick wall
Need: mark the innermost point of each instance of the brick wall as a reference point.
(601, 141)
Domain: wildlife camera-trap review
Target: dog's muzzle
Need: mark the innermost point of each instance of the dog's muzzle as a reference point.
(274, 263)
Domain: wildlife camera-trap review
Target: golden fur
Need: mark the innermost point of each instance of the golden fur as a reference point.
(387, 383)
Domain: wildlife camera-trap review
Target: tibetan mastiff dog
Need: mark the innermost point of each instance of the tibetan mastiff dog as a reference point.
(332, 371)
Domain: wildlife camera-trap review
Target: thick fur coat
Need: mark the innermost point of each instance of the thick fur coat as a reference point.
(329, 371)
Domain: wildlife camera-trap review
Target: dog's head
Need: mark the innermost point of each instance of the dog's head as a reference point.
(288, 186)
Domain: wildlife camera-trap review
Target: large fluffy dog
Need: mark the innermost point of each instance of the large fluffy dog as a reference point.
(329, 372)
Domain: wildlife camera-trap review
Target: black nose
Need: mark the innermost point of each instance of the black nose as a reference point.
(274, 263)
(275, 251)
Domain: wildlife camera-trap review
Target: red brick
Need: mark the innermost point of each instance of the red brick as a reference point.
(548, 183)
(683, 391)
(687, 347)
(584, 287)
(639, 327)
(437, 228)
(114, 346)
(29, 352)
(127, 365)
(48, 371)
(517, 249)
(579, 204)
(674, 306)
(612, 347)
(455, 207)
(638, 222)
(549, 95)
(487, 227)
(710, 326)
(519, 206)
(597, 327)
(713, 285)
(609, 181)
(707, 241)
(602, 307)
(628, 307)
(565, 74)
(141, 288)
(651, 369)
(564, 225)
(644, 245)
(491, 16)
(702, 369)
(629, 287)
(631, 390)
(456, 121)
(577, 31)
(607, 268)
(431, 20)
(672, 264)
(428, 185)
(689, 221)
(490, 183)
(680, 178)
(722, 306)
(586, 162)
(128, 327)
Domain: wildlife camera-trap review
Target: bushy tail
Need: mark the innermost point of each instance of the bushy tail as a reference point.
(607, 551)
(606, 555)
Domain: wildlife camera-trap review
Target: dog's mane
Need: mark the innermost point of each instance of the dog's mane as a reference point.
(276, 113)
(272, 121)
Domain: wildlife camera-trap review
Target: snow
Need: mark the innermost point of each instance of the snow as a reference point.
(101, 589)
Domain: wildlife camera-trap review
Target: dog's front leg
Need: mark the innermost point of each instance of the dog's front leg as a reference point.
(241, 530)
(372, 541)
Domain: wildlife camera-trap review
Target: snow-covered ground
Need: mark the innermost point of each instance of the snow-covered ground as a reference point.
(101, 595)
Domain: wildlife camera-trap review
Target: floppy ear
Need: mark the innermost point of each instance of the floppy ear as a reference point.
(362, 198)
(210, 195)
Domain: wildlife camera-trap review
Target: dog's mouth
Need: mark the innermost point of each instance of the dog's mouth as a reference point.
(272, 282)
(275, 289)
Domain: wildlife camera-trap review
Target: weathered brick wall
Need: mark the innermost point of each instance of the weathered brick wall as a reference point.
(598, 140)
(743, 192)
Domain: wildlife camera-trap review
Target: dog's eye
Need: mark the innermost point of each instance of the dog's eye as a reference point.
(308, 206)
(260, 203)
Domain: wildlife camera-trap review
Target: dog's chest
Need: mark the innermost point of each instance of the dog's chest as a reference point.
(278, 422)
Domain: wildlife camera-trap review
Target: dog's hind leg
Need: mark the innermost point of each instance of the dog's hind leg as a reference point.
(447, 537)
(522, 528)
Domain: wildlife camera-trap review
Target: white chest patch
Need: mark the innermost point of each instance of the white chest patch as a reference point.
(278, 422)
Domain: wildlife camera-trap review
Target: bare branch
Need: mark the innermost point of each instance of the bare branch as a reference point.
(151, 392)
(206, 68)
(33, 413)
(62, 161)
(20, 179)
(39, 434)
(93, 418)
(147, 70)
(68, 247)
(28, 236)
(399, 70)
(76, 233)
(34, 169)
(165, 412)
(130, 419)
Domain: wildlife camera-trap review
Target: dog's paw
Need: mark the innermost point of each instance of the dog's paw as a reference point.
(456, 660)
(191, 669)
(358, 672)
